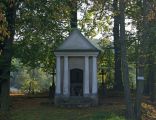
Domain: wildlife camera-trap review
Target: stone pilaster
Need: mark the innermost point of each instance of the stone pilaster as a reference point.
(86, 77)
(58, 78)
(66, 77)
(94, 77)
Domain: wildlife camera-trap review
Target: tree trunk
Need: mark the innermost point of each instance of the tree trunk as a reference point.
(147, 85)
(141, 64)
(73, 14)
(140, 87)
(0, 94)
(149, 38)
(6, 55)
(118, 84)
(5, 87)
(153, 79)
(129, 106)
(146, 40)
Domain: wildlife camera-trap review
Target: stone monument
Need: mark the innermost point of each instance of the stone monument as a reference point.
(76, 71)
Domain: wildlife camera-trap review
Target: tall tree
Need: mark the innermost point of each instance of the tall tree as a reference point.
(129, 107)
(118, 85)
(149, 31)
(140, 68)
(6, 54)
(40, 30)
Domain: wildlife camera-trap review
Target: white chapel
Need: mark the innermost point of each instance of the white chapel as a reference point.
(76, 70)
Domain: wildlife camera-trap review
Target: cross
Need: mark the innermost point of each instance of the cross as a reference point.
(52, 88)
(103, 81)
(53, 74)
(102, 74)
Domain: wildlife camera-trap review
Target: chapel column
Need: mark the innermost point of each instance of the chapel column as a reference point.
(58, 74)
(94, 76)
(66, 77)
(86, 77)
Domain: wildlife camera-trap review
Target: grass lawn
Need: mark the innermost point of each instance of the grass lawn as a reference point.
(110, 108)
(37, 109)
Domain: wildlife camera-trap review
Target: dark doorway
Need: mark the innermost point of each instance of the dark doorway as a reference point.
(76, 82)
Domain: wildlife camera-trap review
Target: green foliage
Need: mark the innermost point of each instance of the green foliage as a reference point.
(30, 86)
(28, 79)
(106, 61)
(39, 30)
(132, 76)
(3, 23)
(96, 19)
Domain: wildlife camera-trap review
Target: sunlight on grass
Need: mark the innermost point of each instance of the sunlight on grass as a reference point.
(16, 94)
(148, 111)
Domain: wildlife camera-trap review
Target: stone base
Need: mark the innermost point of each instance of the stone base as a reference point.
(76, 101)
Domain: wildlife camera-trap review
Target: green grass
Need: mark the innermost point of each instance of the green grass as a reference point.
(54, 113)
(110, 108)
(41, 109)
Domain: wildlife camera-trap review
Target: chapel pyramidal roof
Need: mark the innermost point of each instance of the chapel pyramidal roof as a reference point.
(76, 42)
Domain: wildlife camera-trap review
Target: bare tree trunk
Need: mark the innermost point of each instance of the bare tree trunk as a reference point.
(153, 79)
(149, 39)
(5, 95)
(140, 87)
(73, 14)
(129, 106)
(118, 84)
(6, 55)
(141, 64)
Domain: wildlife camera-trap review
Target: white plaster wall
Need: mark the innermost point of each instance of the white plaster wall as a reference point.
(76, 62)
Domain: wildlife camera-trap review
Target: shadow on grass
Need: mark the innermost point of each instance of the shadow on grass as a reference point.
(5, 115)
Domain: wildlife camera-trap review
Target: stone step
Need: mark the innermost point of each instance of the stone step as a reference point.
(77, 102)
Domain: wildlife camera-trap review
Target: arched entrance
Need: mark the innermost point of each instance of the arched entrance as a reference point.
(76, 82)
